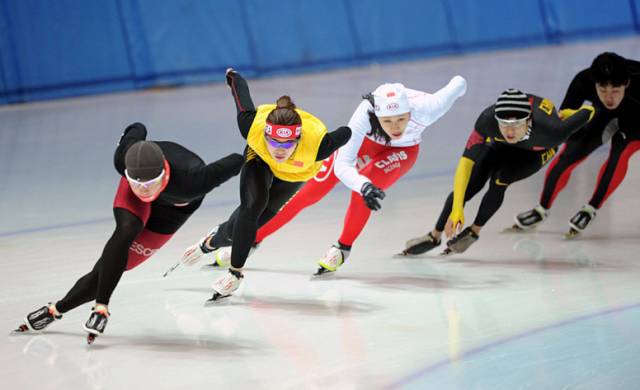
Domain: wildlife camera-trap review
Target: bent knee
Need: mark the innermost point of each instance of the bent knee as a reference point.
(128, 230)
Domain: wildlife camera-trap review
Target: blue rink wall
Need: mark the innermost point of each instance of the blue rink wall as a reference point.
(58, 48)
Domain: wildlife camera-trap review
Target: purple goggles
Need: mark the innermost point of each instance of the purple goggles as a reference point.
(284, 145)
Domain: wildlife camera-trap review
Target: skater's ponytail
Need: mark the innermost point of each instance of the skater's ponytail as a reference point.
(376, 128)
(285, 112)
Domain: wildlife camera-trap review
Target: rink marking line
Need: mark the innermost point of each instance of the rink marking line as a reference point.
(38, 229)
(96, 221)
(424, 372)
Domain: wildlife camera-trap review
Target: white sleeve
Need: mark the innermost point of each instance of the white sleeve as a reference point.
(345, 163)
(438, 103)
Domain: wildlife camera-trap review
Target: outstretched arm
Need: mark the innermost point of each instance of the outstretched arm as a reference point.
(345, 162)
(569, 121)
(245, 109)
(475, 150)
(206, 178)
(438, 103)
(333, 141)
(460, 183)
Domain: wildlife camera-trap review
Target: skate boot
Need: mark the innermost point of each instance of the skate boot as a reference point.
(40, 319)
(226, 285)
(97, 322)
(580, 221)
(222, 256)
(332, 260)
(461, 242)
(529, 219)
(420, 245)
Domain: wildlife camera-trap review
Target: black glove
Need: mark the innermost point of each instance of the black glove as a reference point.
(371, 194)
(137, 129)
(228, 75)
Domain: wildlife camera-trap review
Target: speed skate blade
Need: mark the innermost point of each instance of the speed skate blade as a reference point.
(407, 253)
(170, 270)
(91, 338)
(217, 298)
(446, 252)
(323, 273)
(21, 329)
(515, 229)
(571, 234)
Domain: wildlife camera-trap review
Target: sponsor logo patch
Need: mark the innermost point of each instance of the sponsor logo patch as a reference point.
(547, 156)
(392, 159)
(140, 249)
(283, 132)
(546, 106)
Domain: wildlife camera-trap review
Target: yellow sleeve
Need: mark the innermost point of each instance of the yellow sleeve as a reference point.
(568, 112)
(460, 182)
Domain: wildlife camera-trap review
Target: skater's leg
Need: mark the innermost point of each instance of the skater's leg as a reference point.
(513, 166)
(315, 189)
(611, 175)
(163, 223)
(577, 148)
(86, 288)
(385, 168)
(613, 171)
(479, 175)
(224, 234)
(83, 291)
(114, 257)
(255, 181)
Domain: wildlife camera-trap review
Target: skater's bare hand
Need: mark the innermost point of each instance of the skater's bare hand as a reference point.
(194, 253)
(453, 227)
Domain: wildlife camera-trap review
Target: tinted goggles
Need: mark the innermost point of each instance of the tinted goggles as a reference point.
(144, 184)
(512, 122)
(284, 145)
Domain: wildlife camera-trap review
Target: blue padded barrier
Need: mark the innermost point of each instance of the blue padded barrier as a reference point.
(63, 47)
(176, 42)
(296, 33)
(58, 48)
(579, 18)
(384, 27)
(494, 23)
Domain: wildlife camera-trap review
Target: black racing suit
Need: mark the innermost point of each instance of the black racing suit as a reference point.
(262, 194)
(621, 125)
(190, 180)
(503, 163)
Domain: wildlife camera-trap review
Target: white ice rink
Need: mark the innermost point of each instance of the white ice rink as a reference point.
(528, 311)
